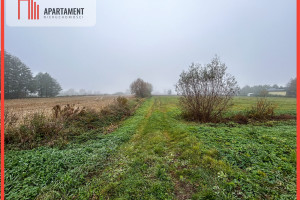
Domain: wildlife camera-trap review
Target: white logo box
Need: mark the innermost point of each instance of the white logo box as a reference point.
(84, 14)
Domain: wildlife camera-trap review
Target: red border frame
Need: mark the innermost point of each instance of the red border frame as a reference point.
(2, 99)
(298, 95)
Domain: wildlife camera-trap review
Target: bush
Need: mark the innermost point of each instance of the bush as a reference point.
(206, 92)
(263, 109)
(118, 110)
(88, 119)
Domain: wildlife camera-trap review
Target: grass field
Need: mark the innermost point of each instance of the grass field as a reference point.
(157, 155)
(283, 105)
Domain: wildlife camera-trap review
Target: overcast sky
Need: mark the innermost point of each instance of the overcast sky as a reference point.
(157, 39)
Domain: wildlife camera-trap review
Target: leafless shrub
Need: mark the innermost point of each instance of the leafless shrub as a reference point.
(122, 101)
(263, 109)
(67, 111)
(206, 91)
(56, 111)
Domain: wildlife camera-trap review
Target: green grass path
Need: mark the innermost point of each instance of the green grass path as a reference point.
(169, 159)
(144, 167)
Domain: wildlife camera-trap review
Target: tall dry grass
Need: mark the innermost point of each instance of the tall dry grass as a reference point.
(16, 110)
(63, 123)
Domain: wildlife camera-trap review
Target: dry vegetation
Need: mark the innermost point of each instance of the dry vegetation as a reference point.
(19, 109)
(63, 122)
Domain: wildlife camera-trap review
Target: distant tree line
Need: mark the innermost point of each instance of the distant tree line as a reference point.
(257, 90)
(81, 92)
(262, 90)
(19, 81)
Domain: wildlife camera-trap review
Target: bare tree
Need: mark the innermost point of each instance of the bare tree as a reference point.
(141, 88)
(206, 91)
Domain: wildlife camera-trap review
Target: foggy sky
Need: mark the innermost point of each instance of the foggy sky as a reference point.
(157, 39)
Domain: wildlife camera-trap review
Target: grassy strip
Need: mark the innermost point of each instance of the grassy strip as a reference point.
(170, 159)
(140, 168)
(52, 173)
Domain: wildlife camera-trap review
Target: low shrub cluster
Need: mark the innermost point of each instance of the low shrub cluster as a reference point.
(34, 130)
(262, 110)
(65, 124)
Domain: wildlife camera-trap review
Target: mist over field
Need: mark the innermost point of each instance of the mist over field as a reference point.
(157, 40)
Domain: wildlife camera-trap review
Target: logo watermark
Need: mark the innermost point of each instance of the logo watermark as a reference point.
(33, 10)
(35, 13)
